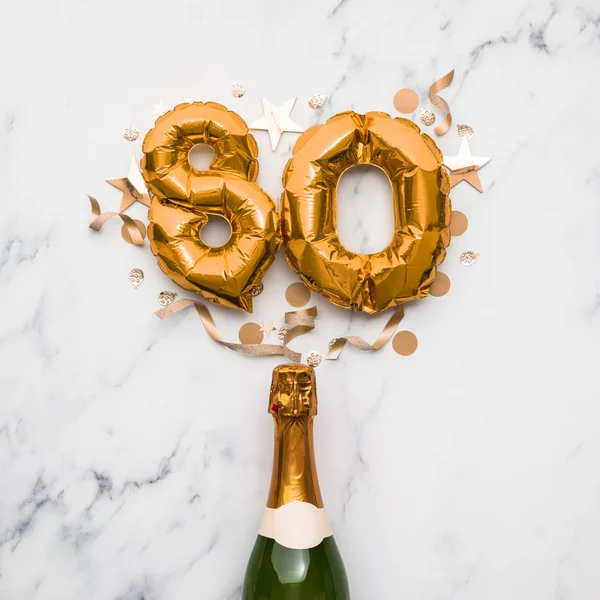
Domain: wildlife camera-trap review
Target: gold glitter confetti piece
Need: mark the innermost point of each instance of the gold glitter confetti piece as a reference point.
(131, 134)
(405, 343)
(406, 101)
(440, 285)
(427, 117)
(337, 345)
(469, 257)
(257, 290)
(302, 321)
(458, 223)
(237, 89)
(251, 333)
(314, 359)
(136, 276)
(99, 219)
(281, 333)
(297, 294)
(438, 86)
(316, 101)
(165, 298)
(465, 131)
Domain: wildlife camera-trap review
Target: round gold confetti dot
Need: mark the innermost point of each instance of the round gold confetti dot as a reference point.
(125, 232)
(405, 343)
(441, 285)
(314, 359)
(297, 294)
(406, 101)
(131, 134)
(316, 101)
(257, 290)
(250, 333)
(465, 131)
(281, 333)
(458, 223)
(427, 117)
(469, 257)
(136, 276)
(166, 298)
(237, 89)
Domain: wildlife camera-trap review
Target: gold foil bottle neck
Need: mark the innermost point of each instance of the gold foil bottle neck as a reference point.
(293, 404)
(293, 391)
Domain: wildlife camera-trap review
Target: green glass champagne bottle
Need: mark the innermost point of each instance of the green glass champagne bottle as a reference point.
(295, 556)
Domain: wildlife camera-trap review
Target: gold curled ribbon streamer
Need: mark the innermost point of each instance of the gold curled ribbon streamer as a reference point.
(303, 321)
(99, 219)
(441, 84)
(336, 346)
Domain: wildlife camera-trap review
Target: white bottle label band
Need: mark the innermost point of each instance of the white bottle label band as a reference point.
(298, 525)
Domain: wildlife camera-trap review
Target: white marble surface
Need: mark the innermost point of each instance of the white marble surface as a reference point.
(135, 454)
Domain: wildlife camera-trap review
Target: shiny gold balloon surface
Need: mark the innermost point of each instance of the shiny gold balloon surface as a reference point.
(184, 197)
(406, 269)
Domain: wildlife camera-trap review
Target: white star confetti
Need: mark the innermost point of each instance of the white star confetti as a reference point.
(277, 121)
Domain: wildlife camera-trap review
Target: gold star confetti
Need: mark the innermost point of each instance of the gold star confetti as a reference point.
(237, 89)
(427, 117)
(131, 134)
(314, 359)
(469, 257)
(464, 166)
(267, 328)
(277, 120)
(136, 276)
(316, 101)
(133, 187)
(166, 298)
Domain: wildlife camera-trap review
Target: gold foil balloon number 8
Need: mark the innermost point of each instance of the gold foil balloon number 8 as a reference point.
(184, 197)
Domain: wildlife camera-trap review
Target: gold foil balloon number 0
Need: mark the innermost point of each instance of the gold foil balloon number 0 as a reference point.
(184, 197)
(412, 161)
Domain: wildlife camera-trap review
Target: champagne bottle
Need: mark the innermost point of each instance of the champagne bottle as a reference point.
(295, 556)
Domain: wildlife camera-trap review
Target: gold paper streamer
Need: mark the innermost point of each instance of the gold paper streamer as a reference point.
(303, 321)
(337, 345)
(438, 101)
(136, 233)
